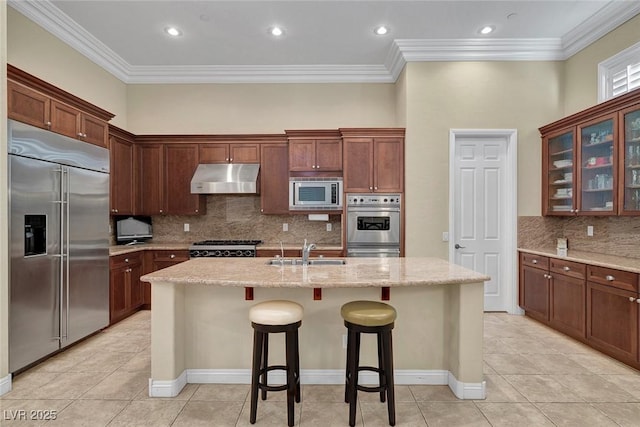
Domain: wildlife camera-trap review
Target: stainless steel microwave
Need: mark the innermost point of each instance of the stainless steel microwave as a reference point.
(307, 193)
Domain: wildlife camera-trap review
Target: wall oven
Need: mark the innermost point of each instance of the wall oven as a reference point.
(373, 225)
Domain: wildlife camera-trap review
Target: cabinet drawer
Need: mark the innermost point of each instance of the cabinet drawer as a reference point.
(568, 268)
(176, 256)
(536, 261)
(610, 277)
(118, 261)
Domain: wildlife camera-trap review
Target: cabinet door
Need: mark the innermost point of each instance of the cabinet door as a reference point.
(567, 311)
(244, 153)
(535, 293)
(358, 164)
(388, 166)
(558, 189)
(181, 161)
(302, 155)
(65, 120)
(328, 154)
(118, 293)
(274, 179)
(135, 287)
(121, 176)
(151, 178)
(94, 130)
(598, 166)
(28, 106)
(612, 321)
(214, 153)
(629, 194)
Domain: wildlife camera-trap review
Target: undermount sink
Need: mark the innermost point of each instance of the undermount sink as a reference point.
(312, 261)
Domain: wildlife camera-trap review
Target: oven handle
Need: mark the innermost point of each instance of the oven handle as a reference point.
(362, 209)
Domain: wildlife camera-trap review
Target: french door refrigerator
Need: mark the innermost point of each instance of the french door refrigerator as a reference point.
(59, 242)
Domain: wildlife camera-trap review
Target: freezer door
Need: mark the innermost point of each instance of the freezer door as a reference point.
(86, 287)
(34, 233)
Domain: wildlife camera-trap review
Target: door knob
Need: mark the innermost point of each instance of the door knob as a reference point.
(457, 246)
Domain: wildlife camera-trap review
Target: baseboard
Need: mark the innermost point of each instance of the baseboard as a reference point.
(5, 385)
(171, 388)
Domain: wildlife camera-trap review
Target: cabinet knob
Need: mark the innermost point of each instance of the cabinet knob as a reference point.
(566, 268)
(172, 256)
(610, 278)
(80, 134)
(231, 159)
(632, 299)
(197, 211)
(226, 160)
(535, 261)
(370, 188)
(161, 211)
(48, 124)
(577, 210)
(126, 260)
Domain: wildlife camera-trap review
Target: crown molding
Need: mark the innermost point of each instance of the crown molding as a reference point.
(49, 17)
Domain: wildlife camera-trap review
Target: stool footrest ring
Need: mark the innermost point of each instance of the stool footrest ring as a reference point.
(267, 387)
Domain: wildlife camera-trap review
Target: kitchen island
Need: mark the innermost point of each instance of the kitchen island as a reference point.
(200, 332)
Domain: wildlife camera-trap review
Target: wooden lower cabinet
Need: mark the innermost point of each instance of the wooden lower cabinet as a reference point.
(292, 253)
(596, 305)
(157, 260)
(534, 285)
(125, 291)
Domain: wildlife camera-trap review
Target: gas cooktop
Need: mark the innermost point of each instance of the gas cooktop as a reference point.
(227, 242)
(224, 248)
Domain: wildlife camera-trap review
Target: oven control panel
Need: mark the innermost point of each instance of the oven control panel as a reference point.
(373, 199)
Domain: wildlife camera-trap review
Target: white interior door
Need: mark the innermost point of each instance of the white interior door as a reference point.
(482, 236)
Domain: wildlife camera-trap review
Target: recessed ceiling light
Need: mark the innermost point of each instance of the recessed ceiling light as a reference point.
(173, 31)
(276, 31)
(381, 30)
(487, 29)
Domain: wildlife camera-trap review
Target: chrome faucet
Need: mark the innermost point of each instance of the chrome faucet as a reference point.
(305, 251)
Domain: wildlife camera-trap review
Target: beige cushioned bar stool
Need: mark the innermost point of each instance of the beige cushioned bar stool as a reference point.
(271, 317)
(369, 317)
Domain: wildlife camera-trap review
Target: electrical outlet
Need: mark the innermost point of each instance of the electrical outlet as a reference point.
(186, 227)
(329, 226)
(344, 341)
(285, 226)
(590, 230)
(445, 236)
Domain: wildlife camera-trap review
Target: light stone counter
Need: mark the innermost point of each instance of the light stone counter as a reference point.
(593, 258)
(200, 331)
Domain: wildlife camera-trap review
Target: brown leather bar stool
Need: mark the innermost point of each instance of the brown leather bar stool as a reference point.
(369, 317)
(271, 317)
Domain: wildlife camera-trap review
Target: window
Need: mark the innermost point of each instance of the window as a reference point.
(619, 74)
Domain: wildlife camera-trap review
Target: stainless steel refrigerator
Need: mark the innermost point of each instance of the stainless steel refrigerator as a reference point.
(59, 242)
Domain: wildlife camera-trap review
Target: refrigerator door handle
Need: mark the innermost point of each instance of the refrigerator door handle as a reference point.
(65, 245)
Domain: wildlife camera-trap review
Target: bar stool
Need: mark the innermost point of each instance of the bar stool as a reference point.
(271, 317)
(369, 317)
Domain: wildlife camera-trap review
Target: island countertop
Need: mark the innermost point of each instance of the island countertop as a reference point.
(356, 273)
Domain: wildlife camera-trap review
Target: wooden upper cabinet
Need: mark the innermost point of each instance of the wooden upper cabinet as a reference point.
(28, 106)
(180, 162)
(150, 169)
(36, 102)
(374, 163)
(274, 179)
(122, 174)
(229, 153)
(314, 150)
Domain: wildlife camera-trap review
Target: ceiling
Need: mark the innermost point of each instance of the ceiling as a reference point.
(323, 41)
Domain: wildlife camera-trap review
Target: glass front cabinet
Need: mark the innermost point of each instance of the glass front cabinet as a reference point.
(597, 174)
(558, 173)
(591, 160)
(630, 161)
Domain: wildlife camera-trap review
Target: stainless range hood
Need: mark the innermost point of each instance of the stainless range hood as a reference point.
(225, 178)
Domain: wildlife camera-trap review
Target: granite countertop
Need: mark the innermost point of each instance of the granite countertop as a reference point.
(356, 273)
(593, 258)
(173, 246)
(155, 246)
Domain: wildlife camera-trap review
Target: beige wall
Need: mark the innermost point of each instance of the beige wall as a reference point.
(581, 83)
(257, 108)
(4, 204)
(37, 52)
(470, 95)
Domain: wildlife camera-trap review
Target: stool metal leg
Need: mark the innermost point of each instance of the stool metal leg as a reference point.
(388, 369)
(264, 364)
(347, 370)
(297, 366)
(353, 380)
(255, 373)
(291, 381)
(381, 358)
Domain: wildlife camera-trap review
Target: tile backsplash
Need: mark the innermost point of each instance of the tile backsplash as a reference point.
(611, 235)
(239, 217)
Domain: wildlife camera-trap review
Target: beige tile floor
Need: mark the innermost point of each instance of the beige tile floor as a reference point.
(535, 377)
